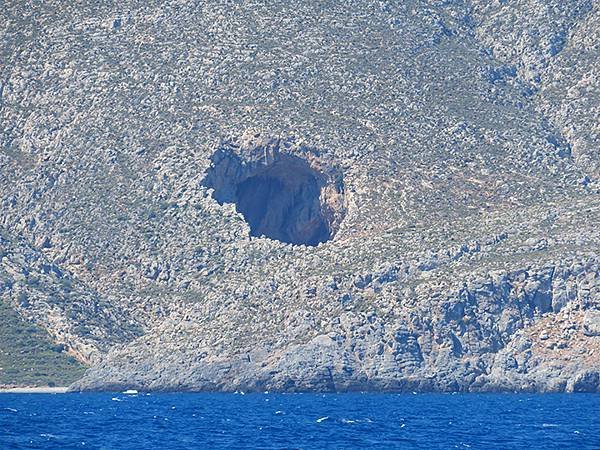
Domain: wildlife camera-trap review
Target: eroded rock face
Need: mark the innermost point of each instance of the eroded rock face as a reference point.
(488, 335)
(282, 196)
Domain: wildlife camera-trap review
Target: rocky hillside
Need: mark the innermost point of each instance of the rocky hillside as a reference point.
(355, 195)
(28, 356)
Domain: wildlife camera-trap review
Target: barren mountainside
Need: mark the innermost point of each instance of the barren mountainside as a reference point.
(341, 195)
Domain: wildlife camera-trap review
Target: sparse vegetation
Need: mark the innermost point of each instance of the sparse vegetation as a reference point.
(28, 357)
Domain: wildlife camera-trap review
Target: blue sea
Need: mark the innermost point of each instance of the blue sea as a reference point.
(309, 421)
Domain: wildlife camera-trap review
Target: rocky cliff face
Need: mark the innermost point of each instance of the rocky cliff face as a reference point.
(362, 195)
(280, 195)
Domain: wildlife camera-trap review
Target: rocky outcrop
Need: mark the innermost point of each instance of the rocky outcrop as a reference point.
(507, 331)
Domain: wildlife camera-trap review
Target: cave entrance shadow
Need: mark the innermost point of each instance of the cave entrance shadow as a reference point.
(280, 199)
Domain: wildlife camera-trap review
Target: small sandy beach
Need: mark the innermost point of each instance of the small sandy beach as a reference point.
(34, 390)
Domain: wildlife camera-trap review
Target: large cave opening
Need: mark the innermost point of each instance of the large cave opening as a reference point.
(280, 195)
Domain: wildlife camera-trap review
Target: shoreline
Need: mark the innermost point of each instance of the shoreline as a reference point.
(34, 390)
(65, 390)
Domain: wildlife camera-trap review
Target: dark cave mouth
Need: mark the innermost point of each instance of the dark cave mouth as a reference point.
(280, 195)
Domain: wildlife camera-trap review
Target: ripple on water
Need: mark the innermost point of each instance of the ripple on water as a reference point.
(179, 421)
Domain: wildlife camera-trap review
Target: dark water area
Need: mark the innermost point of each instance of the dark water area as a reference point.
(213, 421)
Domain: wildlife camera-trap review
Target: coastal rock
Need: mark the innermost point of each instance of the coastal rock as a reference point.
(591, 323)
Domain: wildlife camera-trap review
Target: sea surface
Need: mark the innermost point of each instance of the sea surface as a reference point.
(213, 421)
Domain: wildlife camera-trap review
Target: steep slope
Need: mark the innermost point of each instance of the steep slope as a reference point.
(449, 211)
(28, 356)
(551, 51)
